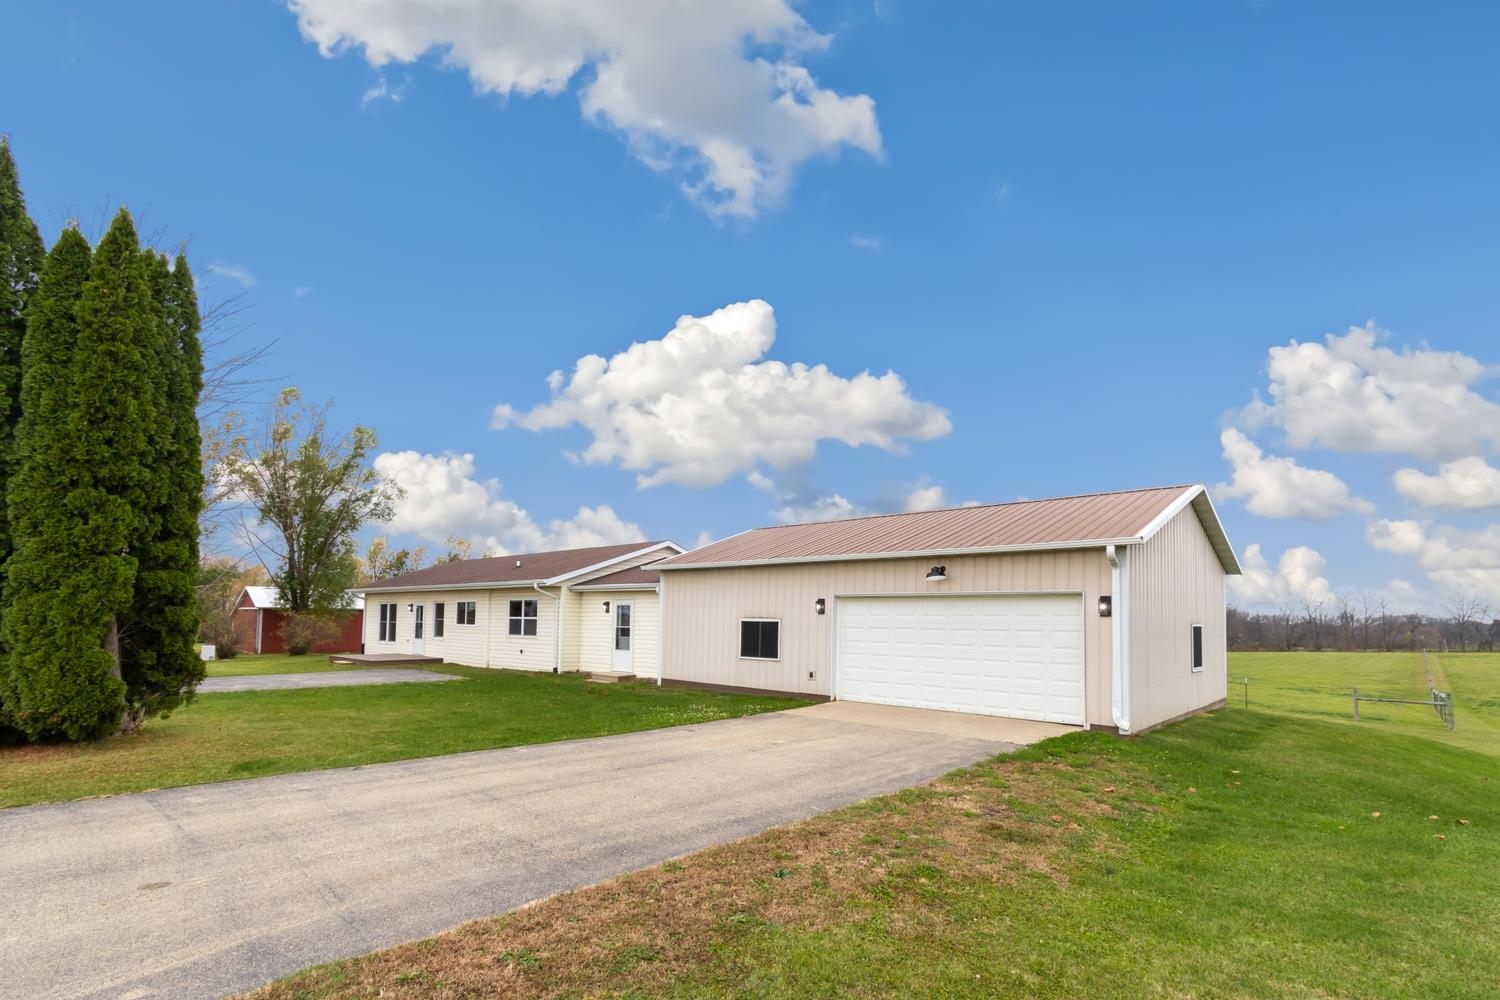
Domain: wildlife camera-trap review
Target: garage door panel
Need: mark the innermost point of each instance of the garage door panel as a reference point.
(1018, 655)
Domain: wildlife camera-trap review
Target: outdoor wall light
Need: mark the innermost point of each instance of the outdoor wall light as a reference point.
(937, 574)
(820, 606)
(1106, 605)
(606, 607)
(411, 607)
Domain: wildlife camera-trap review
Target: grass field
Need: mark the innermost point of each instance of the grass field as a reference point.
(1278, 851)
(250, 734)
(272, 663)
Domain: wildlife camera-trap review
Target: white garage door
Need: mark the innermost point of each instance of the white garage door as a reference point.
(1016, 656)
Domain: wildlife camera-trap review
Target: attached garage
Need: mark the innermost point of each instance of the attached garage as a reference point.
(1104, 610)
(1015, 655)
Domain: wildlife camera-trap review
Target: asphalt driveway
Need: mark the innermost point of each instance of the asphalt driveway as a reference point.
(322, 678)
(212, 889)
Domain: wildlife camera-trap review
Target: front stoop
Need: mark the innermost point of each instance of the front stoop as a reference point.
(606, 677)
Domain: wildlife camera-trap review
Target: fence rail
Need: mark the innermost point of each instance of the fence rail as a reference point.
(1441, 701)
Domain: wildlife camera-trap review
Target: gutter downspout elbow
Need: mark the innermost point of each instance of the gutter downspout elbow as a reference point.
(556, 626)
(1119, 674)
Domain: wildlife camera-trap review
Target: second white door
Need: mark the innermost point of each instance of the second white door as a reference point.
(623, 658)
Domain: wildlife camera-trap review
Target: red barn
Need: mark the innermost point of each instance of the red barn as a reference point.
(259, 618)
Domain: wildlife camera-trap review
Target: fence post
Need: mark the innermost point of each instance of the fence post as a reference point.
(1356, 704)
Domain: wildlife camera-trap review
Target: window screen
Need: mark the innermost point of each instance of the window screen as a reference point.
(760, 639)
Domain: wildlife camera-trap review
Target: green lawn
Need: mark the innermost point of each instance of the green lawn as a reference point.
(244, 735)
(273, 663)
(1280, 851)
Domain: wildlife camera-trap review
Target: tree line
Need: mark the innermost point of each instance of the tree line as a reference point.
(1346, 622)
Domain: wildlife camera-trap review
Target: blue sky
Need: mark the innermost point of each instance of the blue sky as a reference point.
(1075, 233)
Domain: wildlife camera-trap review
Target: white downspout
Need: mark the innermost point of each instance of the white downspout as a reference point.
(1119, 624)
(661, 629)
(556, 626)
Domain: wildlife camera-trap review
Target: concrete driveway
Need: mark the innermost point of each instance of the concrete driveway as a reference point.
(320, 679)
(212, 889)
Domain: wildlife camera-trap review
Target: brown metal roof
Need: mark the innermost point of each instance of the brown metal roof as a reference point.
(525, 568)
(1092, 519)
(635, 576)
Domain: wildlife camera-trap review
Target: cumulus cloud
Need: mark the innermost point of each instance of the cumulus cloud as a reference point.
(1466, 483)
(714, 93)
(701, 405)
(829, 508)
(1453, 558)
(445, 498)
(925, 496)
(1273, 486)
(1351, 395)
(238, 273)
(1298, 575)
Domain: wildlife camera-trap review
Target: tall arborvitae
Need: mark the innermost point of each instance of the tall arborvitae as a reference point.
(158, 661)
(21, 254)
(57, 679)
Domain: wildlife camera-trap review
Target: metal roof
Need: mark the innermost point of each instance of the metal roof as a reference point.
(513, 570)
(264, 598)
(1085, 521)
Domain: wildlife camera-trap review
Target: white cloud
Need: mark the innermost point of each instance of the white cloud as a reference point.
(829, 508)
(1272, 486)
(713, 92)
(925, 496)
(383, 91)
(234, 272)
(870, 243)
(1350, 395)
(1298, 575)
(444, 498)
(700, 404)
(1466, 483)
(1453, 558)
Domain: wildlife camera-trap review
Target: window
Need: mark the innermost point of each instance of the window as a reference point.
(1197, 648)
(523, 617)
(437, 620)
(465, 610)
(387, 623)
(760, 639)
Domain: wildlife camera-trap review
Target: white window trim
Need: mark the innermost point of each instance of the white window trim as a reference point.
(458, 613)
(762, 659)
(381, 622)
(1199, 630)
(439, 616)
(523, 618)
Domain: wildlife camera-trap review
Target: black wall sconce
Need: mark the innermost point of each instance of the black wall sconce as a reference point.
(1106, 605)
(937, 574)
(820, 606)
(411, 607)
(606, 607)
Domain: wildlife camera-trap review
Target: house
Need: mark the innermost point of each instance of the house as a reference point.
(1104, 610)
(590, 609)
(259, 618)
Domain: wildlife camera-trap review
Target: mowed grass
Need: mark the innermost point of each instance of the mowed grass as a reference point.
(273, 663)
(1279, 851)
(251, 734)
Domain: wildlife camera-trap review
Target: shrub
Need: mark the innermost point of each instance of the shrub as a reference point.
(305, 629)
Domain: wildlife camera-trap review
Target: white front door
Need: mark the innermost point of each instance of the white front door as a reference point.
(419, 630)
(623, 659)
(1017, 655)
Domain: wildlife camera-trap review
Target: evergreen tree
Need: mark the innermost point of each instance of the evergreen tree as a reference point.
(57, 680)
(158, 663)
(21, 255)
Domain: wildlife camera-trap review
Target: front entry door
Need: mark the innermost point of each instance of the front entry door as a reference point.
(624, 654)
(419, 630)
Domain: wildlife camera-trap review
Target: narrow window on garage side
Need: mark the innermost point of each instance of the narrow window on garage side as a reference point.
(1197, 648)
(437, 620)
(760, 639)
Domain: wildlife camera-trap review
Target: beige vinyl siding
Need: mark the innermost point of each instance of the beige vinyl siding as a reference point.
(1176, 581)
(597, 629)
(460, 643)
(576, 616)
(703, 609)
(520, 652)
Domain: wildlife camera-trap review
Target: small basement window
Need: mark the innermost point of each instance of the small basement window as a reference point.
(465, 612)
(437, 620)
(387, 623)
(1197, 648)
(523, 617)
(760, 639)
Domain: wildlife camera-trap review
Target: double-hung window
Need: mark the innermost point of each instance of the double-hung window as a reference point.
(523, 617)
(387, 623)
(760, 639)
(465, 611)
(437, 620)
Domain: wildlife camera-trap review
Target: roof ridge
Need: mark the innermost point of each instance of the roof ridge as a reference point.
(975, 506)
(554, 552)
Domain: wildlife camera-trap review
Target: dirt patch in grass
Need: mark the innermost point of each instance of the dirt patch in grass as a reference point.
(1001, 822)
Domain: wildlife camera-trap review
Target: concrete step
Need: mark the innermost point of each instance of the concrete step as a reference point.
(606, 677)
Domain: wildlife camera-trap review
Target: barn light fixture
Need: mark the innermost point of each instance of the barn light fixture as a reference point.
(1106, 605)
(410, 607)
(937, 574)
(606, 607)
(820, 606)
